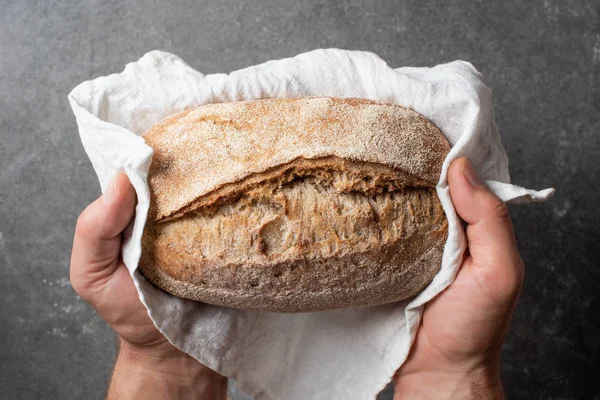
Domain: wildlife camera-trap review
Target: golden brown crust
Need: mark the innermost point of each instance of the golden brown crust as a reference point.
(304, 207)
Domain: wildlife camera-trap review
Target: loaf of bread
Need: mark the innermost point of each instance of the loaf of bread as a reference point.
(294, 205)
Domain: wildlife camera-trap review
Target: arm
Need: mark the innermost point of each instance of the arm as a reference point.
(482, 384)
(146, 375)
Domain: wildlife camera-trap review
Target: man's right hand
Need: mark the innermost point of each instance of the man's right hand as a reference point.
(457, 349)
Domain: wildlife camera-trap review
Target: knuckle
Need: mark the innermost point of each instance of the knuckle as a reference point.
(502, 211)
(85, 222)
(75, 284)
(502, 281)
(520, 269)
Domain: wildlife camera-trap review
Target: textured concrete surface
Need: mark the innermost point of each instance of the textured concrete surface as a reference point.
(541, 57)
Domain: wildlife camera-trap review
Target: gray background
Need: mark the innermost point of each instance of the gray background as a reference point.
(541, 58)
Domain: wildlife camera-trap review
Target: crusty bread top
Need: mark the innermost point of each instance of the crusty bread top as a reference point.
(200, 150)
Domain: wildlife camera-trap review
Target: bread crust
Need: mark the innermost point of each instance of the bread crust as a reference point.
(222, 174)
(199, 150)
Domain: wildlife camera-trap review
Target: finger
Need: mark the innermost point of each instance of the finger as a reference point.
(490, 236)
(97, 242)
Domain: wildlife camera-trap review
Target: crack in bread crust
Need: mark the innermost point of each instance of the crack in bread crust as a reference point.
(380, 176)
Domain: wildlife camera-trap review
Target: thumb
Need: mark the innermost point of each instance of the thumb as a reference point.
(97, 242)
(490, 236)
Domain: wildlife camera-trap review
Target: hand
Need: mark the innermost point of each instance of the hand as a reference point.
(99, 276)
(457, 349)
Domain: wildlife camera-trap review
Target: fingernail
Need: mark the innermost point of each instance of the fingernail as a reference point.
(469, 173)
(111, 191)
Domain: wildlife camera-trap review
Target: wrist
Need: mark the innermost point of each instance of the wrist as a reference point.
(163, 372)
(480, 383)
(163, 360)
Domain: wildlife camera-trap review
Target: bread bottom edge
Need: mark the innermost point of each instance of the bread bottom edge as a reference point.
(389, 288)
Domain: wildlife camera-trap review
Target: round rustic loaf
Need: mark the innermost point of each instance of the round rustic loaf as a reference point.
(294, 205)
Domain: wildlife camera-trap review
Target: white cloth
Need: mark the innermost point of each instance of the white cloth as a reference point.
(345, 354)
